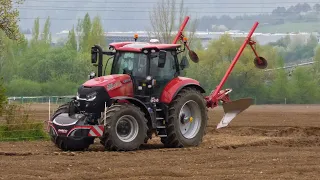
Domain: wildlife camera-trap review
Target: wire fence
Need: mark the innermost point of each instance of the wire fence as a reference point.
(40, 99)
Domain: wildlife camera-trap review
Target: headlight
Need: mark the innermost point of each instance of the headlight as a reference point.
(92, 75)
(92, 96)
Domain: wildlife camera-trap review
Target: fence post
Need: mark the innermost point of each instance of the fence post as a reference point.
(49, 109)
(285, 100)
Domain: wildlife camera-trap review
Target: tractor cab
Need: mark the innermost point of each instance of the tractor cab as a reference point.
(150, 69)
(151, 66)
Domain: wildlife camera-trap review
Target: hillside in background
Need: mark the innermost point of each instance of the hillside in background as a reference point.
(291, 27)
(296, 18)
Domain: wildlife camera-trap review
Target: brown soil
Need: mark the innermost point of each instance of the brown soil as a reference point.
(264, 142)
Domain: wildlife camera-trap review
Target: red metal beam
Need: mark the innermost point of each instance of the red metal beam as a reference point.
(183, 25)
(213, 96)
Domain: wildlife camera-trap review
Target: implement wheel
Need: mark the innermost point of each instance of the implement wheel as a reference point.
(187, 119)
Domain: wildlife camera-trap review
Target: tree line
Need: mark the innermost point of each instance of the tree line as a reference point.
(301, 12)
(34, 67)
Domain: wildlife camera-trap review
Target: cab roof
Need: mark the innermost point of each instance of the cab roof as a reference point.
(140, 46)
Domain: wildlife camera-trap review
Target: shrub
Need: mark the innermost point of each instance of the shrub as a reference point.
(3, 98)
(30, 88)
(20, 124)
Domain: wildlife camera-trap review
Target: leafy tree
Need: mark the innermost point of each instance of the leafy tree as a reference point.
(316, 65)
(35, 31)
(84, 30)
(279, 11)
(3, 98)
(303, 87)
(8, 25)
(282, 42)
(46, 35)
(9, 18)
(72, 41)
(97, 33)
(279, 86)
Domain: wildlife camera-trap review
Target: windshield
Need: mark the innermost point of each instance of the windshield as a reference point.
(136, 64)
(130, 63)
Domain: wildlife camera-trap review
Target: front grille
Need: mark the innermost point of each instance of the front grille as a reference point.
(97, 105)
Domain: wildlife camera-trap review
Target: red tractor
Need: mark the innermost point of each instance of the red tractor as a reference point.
(143, 95)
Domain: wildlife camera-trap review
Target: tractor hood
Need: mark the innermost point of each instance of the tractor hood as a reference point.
(103, 80)
(115, 85)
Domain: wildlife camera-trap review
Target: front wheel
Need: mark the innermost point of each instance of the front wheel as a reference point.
(187, 119)
(126, 128)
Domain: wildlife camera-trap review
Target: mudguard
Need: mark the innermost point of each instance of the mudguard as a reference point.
(175, 85)
(136, 102)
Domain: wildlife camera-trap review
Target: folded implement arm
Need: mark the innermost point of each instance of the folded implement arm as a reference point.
(233, 108)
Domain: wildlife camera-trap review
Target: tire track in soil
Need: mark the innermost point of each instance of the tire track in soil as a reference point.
(229, 138)
(266, 136)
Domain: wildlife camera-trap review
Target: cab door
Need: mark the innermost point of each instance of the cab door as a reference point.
(163, 75)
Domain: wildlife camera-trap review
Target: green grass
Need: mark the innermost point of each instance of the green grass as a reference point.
(19, 125)
(34, 132)
(290, 27)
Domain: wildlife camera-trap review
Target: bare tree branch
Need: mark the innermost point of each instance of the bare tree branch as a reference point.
(165, 20)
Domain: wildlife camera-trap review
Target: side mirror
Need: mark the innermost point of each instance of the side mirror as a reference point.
(162, 58)
(184, 63)
(94, 55)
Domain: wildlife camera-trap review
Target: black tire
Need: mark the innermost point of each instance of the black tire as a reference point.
(69, 143)
(110, 139)
(61, 109)
(175, 138)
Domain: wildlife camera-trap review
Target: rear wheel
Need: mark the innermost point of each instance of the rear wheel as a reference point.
(126, 128)
(69, 143)
(187, 119)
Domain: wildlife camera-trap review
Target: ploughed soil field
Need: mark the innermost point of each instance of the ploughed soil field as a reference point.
(264, 142)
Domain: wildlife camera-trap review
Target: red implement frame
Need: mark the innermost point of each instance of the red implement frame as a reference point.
(217, 94)
(180, 35)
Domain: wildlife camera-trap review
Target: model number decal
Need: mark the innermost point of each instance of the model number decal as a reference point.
(113, 85)
(126, 81)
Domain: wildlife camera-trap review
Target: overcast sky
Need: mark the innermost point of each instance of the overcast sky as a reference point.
(134, 13)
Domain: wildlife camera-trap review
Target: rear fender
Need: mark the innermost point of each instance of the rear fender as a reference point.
(137, 102)
(175, 86)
